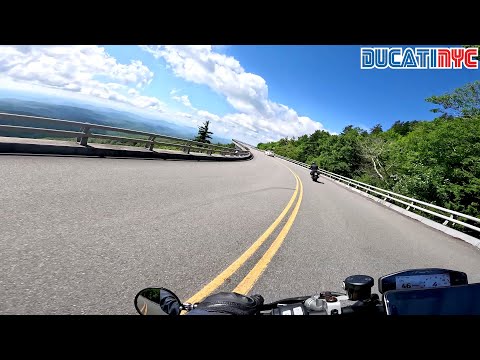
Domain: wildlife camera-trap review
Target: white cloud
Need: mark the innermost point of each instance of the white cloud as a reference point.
(184, 114)
(247, 93)
(182, 99)
(86, 69)
(60, 65)
(208, 116)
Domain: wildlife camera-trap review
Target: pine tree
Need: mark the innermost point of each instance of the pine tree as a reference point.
(203, 133)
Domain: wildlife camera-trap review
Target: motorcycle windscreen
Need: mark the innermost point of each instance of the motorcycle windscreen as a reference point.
(454, 300)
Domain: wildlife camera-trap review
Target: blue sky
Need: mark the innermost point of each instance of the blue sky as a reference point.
(254, 93)
(326, 83)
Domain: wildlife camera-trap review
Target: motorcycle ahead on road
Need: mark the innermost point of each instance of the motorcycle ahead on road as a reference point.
(314, 175)
(428, 291)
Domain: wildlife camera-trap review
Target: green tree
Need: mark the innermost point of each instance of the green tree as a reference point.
(464, 101)
(403, 128)
(373, 149)
(377, 129)
(152, 294)
(344, 156)
(437, 167)
(203, 133)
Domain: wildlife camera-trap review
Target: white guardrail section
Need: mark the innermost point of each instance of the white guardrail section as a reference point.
(84, 132)
(387, 195)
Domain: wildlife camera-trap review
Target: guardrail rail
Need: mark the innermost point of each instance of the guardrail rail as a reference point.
(85, 132)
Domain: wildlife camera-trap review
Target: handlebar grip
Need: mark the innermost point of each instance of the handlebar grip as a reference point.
(258, 298)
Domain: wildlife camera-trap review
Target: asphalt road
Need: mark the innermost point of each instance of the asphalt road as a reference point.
(73, 230)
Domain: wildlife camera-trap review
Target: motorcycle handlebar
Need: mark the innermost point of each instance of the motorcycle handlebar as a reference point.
(369, 307)
(352, 310)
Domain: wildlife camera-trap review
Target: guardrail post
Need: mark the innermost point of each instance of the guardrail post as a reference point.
(150, 146)
(446, 221)
(408, 207)
(84, 139)
(186, 149)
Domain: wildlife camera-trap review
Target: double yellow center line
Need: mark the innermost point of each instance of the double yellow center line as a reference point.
(247, 283)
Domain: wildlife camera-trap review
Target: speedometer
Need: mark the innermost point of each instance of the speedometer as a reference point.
(421, 278)
(422, 281)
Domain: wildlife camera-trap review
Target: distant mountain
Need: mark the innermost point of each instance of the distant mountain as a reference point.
(92, 114)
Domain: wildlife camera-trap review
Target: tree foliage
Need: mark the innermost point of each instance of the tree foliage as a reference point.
(152, 294)
(403, 128)
(203, 134)
(377, 129)
(464, 101)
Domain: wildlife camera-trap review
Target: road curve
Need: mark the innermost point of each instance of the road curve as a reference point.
(77, 229)
(74, 230)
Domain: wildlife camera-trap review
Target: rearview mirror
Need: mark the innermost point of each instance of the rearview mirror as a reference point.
(157, 301)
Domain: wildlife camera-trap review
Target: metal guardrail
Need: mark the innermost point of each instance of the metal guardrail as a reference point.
(85, 132)
(241, 145)
(398, 198)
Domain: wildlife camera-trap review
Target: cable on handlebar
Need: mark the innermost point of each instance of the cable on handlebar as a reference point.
(297, 299)
(292, 300)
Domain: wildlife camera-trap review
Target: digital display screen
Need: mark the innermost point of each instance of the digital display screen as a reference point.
(422, 281)
(454, 300)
